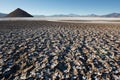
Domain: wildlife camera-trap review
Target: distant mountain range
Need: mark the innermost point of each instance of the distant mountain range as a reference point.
(112, 15)
(2, 14)
(67, 15)
(74, 15)
(91, 15)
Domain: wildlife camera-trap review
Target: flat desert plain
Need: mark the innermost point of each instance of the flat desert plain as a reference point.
(34, 49)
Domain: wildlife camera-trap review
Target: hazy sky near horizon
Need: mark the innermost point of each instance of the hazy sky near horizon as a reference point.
(51, 7)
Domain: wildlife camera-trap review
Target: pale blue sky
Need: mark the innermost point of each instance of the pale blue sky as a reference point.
(51, 7)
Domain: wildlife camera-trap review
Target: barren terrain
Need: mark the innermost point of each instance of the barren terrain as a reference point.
(35, 50)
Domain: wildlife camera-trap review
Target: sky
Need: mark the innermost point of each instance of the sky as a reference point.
(51, 7)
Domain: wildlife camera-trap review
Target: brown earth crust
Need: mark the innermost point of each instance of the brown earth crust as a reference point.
(43, 50)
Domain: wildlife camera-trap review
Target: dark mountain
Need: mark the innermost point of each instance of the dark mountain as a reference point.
(19, 13)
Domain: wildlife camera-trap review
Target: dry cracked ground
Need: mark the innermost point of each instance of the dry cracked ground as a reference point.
(43, 50)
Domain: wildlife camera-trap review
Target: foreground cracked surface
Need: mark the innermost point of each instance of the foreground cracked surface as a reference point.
(34, 50)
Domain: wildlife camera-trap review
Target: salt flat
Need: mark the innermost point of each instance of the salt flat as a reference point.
(68, 19)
